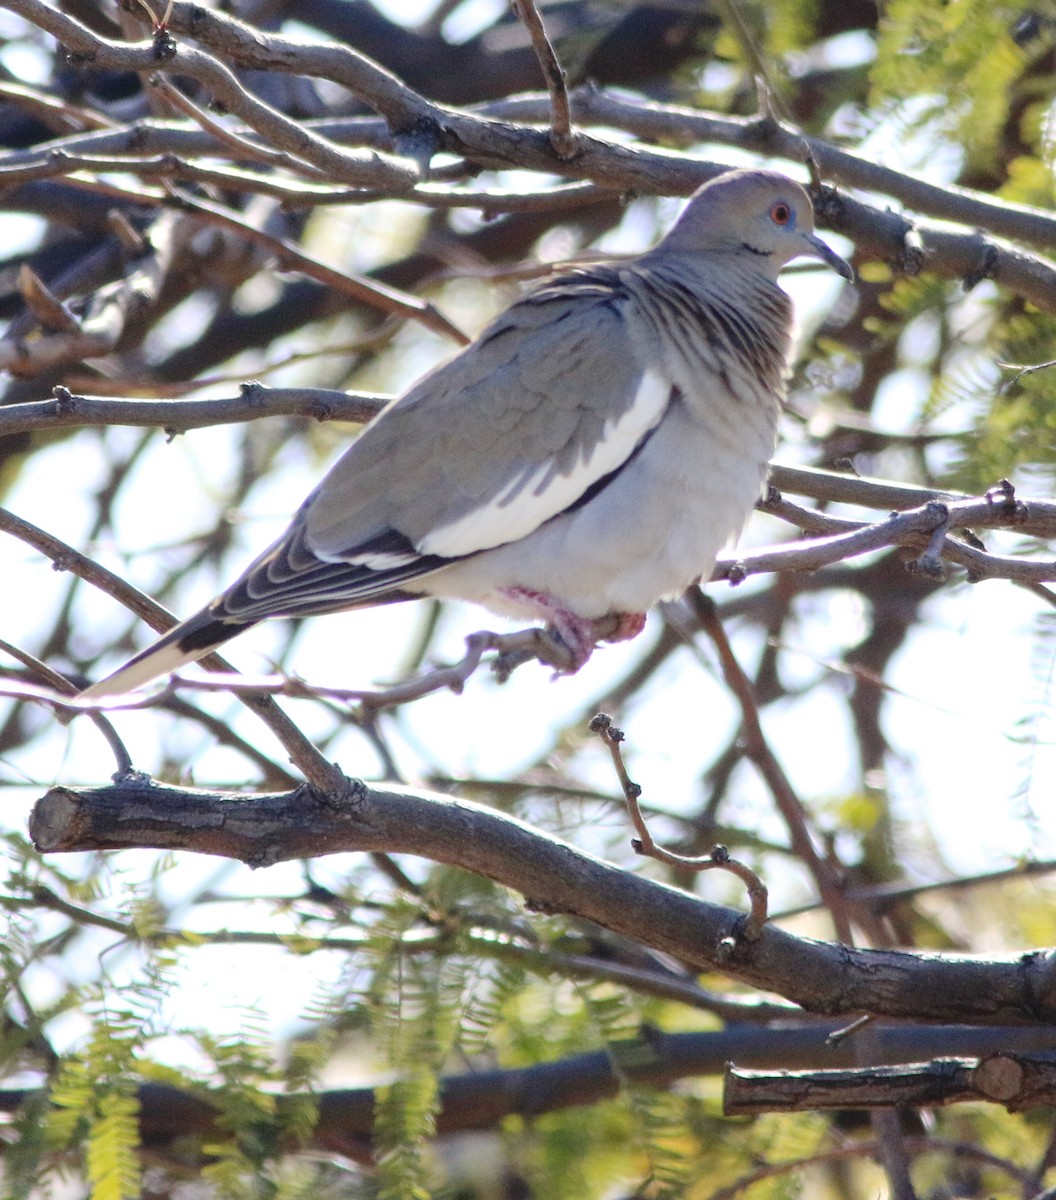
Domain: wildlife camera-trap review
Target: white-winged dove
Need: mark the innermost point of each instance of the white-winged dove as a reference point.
(589, 454)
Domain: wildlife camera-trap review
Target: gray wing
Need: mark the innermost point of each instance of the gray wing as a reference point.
(548, 405)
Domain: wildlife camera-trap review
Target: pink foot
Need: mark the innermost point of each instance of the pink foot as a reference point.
(579, 635)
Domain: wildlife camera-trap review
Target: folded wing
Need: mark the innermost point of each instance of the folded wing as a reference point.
(541, 412)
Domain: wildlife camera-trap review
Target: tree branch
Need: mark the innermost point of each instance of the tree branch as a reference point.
(254, 401)
(1017, 1081)
(355, 167)
(553, 876)
(674, 123)
(482, 1099)
(562, 137)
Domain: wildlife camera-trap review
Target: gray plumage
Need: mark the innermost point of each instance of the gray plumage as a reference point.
(588, 455)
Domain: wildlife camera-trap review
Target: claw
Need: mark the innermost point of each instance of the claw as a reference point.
(579, 635)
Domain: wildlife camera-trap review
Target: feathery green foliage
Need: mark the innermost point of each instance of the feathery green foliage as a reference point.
(955, 63)
(94, 1104)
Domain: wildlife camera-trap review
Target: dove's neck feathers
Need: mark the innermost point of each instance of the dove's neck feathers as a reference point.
(745, 316)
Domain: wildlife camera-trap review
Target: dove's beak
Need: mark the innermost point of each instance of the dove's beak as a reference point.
(816, 248)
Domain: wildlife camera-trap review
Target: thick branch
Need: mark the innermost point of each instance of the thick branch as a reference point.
(553, 876)
(1018, 1081)
(481, 1099)
(838, 488)
(674, 122)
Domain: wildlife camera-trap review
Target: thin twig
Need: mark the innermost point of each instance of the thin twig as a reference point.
(59, 685)
(562, 137)
(54, 112)
(512, 650)
(288, 255)
(767, 91)
(49, 310)
(323, 775)
(292, 257)
(719, 857)
(1023, 370)
(254, 402)
(839, 1035)
(542, 960)
(243, 146)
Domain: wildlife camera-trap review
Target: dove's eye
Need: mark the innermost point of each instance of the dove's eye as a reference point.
(780, 213)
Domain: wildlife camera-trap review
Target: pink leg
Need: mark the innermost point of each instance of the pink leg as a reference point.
(579, 634)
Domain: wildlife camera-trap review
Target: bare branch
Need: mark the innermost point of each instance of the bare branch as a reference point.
(57, 114)
(358, 287)
(255, 401)
(512, 651)
(916, 528)
(106, 319)
(719, 857)
(59, 686)
(248, 46)
(687, 126)
(562, 137)
(302, 752)
(49, 310)
(278, 130)
(844, 539)
(228, 137)
(1017, 1081)
(554, 876)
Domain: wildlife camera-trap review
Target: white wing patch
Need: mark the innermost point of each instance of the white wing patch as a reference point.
(381, 561)
(530, 501)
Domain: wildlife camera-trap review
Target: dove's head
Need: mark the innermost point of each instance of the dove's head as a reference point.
(759, 213)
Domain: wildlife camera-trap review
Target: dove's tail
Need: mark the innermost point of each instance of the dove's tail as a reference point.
(190, 640)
